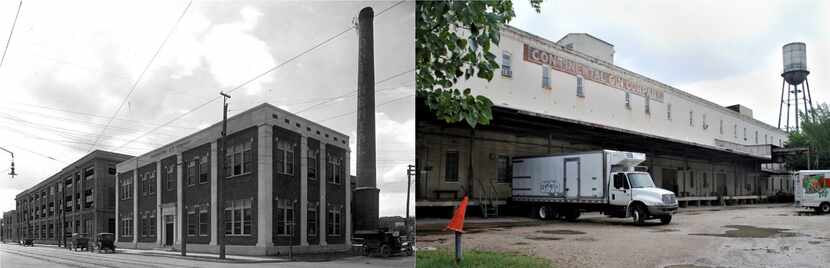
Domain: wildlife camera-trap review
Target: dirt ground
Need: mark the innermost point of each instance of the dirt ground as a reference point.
(757, 236)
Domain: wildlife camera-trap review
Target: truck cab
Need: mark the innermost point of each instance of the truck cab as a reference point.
(633, 194)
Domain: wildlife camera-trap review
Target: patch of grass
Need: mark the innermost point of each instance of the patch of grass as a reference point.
(477, 258)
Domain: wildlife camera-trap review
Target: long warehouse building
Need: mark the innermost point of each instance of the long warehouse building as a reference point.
(78, 199)
(286, 187)
(569, 96)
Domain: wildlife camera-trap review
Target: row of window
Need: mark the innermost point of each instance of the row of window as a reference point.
(546, 83)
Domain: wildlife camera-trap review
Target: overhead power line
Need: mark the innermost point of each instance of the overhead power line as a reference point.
(378, 105)
(138, 80)
(353, 92)
(284, 63)
(2, 59)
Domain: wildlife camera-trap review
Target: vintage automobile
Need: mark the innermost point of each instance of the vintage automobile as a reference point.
(78, 241)
(105, 241)
(383, 243)
(27, 242)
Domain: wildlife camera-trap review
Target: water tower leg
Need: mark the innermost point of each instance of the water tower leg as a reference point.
(781, 105)
(795, 91)
(788, 107)
(810, 96)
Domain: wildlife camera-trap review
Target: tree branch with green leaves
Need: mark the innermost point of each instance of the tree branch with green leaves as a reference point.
(453, 41)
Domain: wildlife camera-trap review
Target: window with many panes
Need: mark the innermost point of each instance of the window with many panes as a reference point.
(152, 232)
(239, 159)
(285, 217)
(89, 172)
(628, 100)
(204, 167)
(334, 169)
(313, 163)
(191, 171)
(334, 222)
(144, 184)
(237, 217)
(204, 220)
(285, 157)
(545, 76)
(170, 177)
(648, 104)
(580, 90)
(191, 222)
(312, 220)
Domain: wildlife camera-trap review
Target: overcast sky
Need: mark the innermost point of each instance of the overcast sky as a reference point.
(728, 52)
(70, 64)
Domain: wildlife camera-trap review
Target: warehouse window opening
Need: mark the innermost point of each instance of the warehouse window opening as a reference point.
(545, 77)
(170, 179)
(628, 100)
(334, 222)
(691, 118)
(668, 111)
(191, 171)
(580, 90)
(506, 70)
(204, 220)
(504, 169)
(191, 222)
(312, 220)
(335, 169)
(648, 105)
(451, 166)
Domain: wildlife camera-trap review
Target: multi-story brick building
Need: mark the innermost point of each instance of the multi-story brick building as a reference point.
(7, 227)
(80, 198)
(285, 184)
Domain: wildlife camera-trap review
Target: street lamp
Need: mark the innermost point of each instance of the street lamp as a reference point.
(11, 173)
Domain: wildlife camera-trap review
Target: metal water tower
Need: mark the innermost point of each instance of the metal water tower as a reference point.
(795, 74)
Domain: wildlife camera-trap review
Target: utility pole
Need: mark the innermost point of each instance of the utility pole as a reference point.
(11, 173)
(410, 171)
(184, 208)
(220, 203)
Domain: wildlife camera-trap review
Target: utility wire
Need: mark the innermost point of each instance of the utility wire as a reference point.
(10, 33)
(352, 92)
(40, 154)
(318, 45)
(138, 80)
(378, 105)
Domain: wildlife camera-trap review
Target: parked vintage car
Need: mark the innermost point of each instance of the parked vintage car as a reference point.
(78, 241)
(27, 242)
(105, 241)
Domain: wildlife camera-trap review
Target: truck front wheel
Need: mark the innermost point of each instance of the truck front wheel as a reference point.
(665, 219)
(824, 208)
(638, 213)
(543, 213)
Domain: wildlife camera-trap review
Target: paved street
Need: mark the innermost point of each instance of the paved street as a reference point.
(13, 255)
(758, 236)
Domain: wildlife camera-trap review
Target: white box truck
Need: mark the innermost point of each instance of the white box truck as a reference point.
(812, 190)
(562, 186)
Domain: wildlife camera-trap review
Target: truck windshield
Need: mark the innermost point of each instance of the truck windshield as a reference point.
(640, 180)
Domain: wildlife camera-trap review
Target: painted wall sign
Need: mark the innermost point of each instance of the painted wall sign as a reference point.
(538, 56)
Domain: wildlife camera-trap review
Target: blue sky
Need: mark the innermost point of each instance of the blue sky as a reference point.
(727, 52)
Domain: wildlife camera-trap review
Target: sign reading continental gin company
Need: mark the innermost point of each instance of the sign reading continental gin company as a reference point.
(538, 56)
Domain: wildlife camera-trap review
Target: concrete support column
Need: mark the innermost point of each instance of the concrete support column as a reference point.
(322, 232)
(179, 186)
(214, 175)
(135, 205)
(159, 220)
(303, 191)
(265, 180)
(348, 188)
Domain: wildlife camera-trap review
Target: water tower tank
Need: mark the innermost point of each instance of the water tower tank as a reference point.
(795, 63)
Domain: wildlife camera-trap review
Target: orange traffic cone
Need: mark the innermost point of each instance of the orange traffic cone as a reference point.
(457, 221)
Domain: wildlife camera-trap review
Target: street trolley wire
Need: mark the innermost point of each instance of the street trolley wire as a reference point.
(303, 53)
(353, 92)
(2, 59)
(138, 80)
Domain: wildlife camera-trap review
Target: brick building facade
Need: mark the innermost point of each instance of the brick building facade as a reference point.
(284, 185)
(78, 199)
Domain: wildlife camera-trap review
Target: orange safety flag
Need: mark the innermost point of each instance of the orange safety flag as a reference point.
(457, 221)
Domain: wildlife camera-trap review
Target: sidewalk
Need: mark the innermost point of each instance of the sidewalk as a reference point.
(204, 256)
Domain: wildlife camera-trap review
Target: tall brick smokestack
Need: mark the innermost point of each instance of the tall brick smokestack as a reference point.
(366, 192)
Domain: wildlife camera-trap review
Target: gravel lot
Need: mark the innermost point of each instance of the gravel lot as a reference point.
(756, 236)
